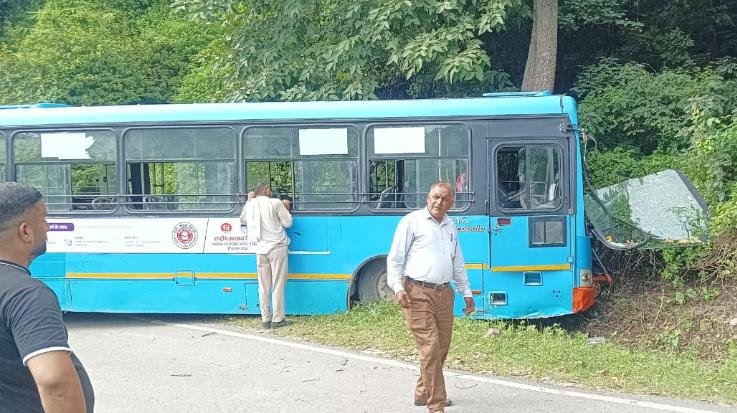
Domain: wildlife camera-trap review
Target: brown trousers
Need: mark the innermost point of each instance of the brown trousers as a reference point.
(430, 318)
(272, 277)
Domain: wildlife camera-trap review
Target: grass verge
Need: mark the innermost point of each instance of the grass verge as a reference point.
(522, 350)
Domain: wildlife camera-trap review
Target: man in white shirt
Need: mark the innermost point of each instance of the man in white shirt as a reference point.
(266, 219)
(425, 255)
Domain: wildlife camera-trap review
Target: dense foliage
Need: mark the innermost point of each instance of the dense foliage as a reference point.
(87, 52)
(317, 49)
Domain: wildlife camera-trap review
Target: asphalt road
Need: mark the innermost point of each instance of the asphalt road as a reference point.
(184, 364)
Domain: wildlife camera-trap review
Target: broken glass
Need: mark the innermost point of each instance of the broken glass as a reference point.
(651, 212)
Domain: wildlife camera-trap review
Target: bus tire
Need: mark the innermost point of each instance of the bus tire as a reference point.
(372, 285)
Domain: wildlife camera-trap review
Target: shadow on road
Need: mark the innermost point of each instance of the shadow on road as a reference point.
(92, 320)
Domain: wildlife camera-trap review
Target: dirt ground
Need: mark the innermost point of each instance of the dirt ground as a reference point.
(647, 314)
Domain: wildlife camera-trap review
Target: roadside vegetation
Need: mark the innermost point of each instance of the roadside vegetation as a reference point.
(549, 351)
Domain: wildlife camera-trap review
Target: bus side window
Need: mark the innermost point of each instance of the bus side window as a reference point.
(405, 160)
(316, 166)
(187, 168)
(529, 177)
(71, 168)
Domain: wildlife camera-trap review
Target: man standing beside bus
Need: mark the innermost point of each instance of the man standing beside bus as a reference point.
(38, 371)
(425, 255)
(266, 219)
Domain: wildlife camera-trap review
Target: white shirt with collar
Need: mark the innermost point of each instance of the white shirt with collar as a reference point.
(426, 250)
(266, 219)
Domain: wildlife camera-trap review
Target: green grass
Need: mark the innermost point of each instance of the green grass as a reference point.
(522, 350)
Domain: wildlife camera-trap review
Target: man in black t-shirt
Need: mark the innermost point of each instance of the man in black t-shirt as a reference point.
(38, 371)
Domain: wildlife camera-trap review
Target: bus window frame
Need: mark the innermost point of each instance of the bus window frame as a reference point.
(4, 164)
(115, 162)
(358, 159)
(371, 204)
(566, 180)
(124, 162)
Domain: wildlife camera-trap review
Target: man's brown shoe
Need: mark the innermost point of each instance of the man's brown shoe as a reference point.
(448, 402)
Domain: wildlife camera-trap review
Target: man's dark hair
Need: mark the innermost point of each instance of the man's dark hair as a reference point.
(260, 189)
(15, 200)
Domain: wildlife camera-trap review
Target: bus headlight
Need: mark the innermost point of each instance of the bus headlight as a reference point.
(585, 278)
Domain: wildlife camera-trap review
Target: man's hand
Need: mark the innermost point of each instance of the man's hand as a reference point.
(470, 305)
(286, 203)
(251, 195)
(403, 299)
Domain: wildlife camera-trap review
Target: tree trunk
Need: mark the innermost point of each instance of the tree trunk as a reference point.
(540, 68)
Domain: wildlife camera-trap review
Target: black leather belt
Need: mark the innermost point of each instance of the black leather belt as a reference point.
(427, 284)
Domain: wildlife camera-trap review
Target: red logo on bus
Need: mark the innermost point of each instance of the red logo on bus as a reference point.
(184, 235)
(226, 227)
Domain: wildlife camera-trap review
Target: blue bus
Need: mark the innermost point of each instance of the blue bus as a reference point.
(144, 200)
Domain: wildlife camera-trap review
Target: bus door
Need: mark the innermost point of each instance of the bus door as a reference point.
(530, 241)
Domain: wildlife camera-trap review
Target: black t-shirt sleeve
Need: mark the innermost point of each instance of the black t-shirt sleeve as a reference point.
(36, 321)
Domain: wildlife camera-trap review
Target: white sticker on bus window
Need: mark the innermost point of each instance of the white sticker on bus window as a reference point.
(399, 140)
(333, 141)
(66, 145)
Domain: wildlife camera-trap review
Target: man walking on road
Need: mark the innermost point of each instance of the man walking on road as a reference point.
(425, 255)
(38, 371)
(266, 219)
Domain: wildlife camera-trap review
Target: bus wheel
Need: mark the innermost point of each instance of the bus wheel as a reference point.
(372, 285)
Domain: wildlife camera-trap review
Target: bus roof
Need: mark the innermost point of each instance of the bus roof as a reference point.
(35, 115)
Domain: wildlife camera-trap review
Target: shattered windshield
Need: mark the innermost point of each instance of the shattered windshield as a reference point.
(649, 212)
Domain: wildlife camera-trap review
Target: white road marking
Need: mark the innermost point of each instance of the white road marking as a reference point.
(412, 367)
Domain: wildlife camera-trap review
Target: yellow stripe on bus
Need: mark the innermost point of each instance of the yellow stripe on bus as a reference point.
(476, 266)
(121, 275)
(516, 268)
(322, 276)
(200, 275)
(212, 275)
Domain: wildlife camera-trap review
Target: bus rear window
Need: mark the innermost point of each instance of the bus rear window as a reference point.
(180, 169)
(74, 170)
